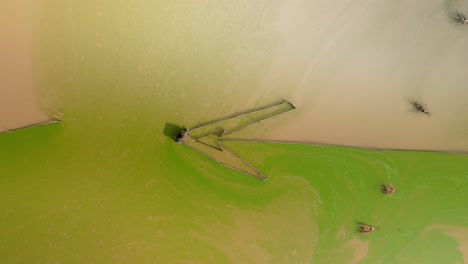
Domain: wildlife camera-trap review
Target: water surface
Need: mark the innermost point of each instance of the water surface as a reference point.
(110, 185)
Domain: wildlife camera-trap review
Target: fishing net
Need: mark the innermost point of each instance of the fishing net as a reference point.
(207, 138)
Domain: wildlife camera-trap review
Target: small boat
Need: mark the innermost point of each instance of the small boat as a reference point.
(388, 189)
(420, 107)
(366, 229)
(460, 18)
(182, 136)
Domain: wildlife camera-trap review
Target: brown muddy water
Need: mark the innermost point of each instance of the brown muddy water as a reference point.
(19, 106)
(351, 68)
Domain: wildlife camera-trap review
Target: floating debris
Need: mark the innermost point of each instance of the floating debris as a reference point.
(419, 107)
(56, 117)
(208, 138)
(388, 189)
(460, 18)
(366, 229)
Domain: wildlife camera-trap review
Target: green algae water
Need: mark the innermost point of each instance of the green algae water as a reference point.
(111, 186)
(128, 200)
